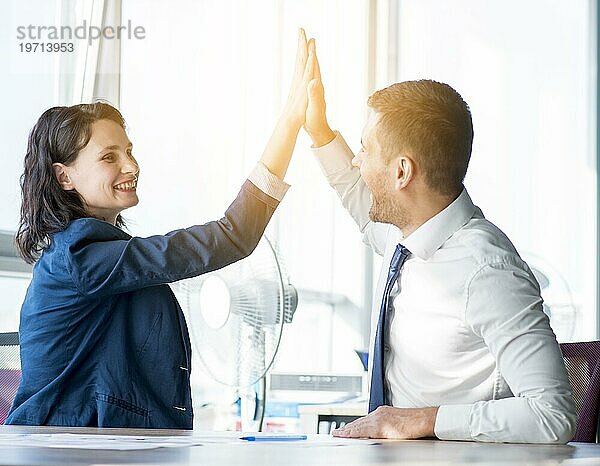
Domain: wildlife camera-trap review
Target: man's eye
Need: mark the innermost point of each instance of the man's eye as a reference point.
(109, 157)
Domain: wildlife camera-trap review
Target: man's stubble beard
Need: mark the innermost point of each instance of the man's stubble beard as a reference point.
(384, 209)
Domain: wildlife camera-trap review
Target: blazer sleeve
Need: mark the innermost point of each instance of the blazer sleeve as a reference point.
(104, 261)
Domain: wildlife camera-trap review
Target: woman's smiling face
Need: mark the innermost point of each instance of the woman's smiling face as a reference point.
(105, 172)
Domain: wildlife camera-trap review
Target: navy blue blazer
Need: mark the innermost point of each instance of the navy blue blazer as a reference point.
(103, 339)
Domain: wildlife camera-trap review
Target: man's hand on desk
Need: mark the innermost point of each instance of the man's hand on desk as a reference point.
(392, 423)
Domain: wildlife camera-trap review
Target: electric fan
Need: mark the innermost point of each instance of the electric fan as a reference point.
(236, 317)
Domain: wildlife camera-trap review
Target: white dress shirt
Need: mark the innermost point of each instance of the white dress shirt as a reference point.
(467, 331)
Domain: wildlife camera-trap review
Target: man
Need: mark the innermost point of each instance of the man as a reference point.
(460, 346)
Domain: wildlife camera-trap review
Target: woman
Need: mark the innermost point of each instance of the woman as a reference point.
(103, 339)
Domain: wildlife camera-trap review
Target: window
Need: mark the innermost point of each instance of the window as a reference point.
(29, 85)
(201, 100)
(525, 69)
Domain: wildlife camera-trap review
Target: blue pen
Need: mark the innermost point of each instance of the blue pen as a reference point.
(274, 438)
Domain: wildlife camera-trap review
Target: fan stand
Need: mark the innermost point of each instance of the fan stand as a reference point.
(252, 406)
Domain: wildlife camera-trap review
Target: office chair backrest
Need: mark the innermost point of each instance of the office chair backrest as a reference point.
(10, 371)
(583, 365)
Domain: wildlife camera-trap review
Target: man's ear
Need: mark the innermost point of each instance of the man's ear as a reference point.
(405, 171)
(62, 176)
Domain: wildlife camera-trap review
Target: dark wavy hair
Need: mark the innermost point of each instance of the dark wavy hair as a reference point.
(57, 137)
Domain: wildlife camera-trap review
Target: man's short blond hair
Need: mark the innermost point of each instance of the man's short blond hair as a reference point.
(430, 121)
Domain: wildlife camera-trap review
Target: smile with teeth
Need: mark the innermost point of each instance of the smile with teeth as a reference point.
(128, 186)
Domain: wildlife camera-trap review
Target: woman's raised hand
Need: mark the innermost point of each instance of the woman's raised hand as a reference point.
(304, 73)
(278, 152)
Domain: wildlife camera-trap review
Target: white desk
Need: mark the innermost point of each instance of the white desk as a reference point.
(259, 454)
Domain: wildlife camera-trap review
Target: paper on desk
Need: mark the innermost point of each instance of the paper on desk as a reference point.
(140, 442)
(322, 440)
(97, 442)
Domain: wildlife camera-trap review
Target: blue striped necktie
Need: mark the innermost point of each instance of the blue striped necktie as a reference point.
(377, 397)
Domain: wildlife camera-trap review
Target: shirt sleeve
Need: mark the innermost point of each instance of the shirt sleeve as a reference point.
(102, 264)
(504, 308)
(268, 183)
(335, 160)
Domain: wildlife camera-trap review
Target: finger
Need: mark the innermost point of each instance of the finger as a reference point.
(303, 45)
(309, 69)
(315, 91)
(313, 49)
(349, 432)
(312, 89)
(316, 100)
(343, 431)
(301, 53)
(311, 45)
(317, 66)
(352, 429)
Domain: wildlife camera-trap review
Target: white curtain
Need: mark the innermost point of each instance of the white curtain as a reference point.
(92, 71)
(201, 95)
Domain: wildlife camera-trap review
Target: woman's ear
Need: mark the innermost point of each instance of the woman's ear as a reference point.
(62, 176)
(405, 170)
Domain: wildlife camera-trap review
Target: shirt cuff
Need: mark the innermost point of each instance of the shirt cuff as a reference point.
(335, 156)
(452, 422)
(268, 183)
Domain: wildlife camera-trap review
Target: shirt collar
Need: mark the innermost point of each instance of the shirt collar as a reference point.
(430, 236)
